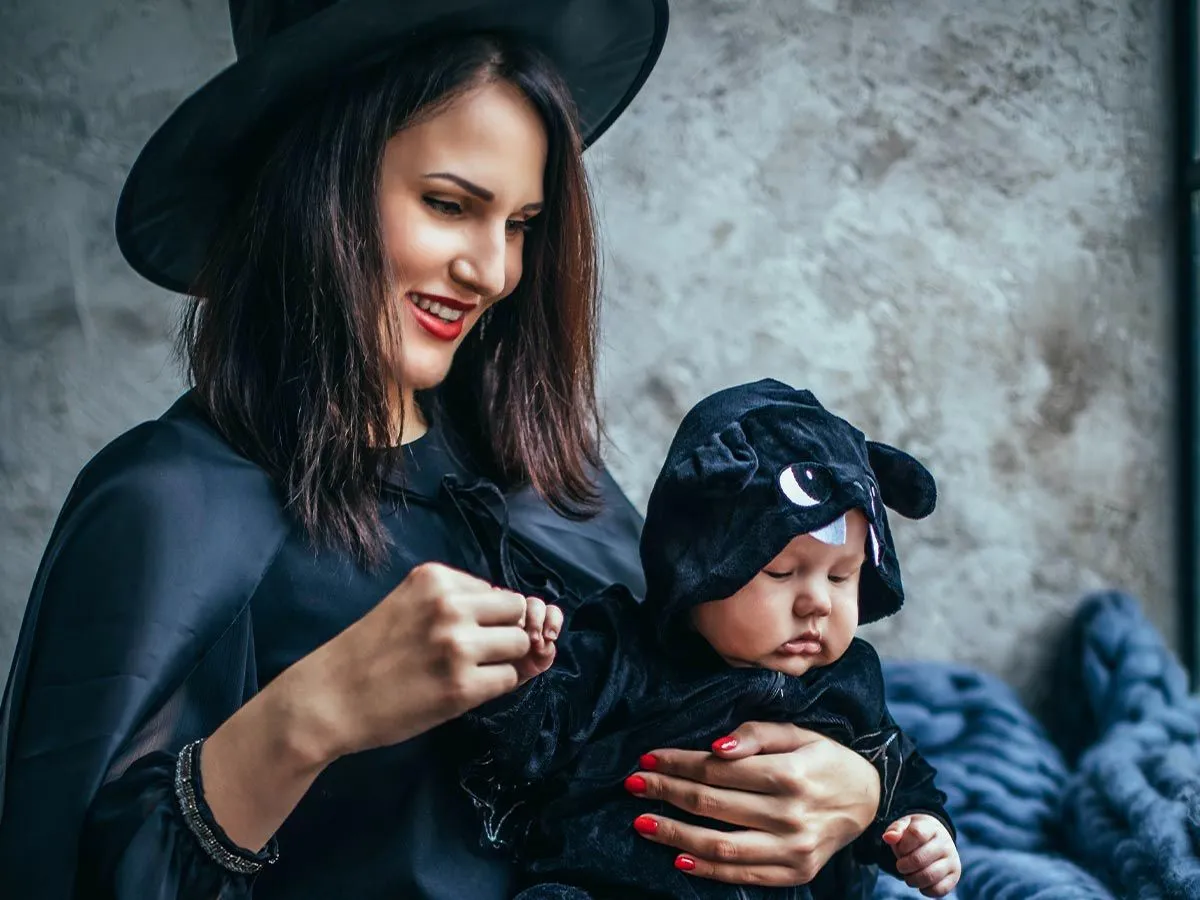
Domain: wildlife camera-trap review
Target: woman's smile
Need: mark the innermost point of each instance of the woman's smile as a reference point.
(440, 317)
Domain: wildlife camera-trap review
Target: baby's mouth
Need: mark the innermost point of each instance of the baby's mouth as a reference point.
(807, 644)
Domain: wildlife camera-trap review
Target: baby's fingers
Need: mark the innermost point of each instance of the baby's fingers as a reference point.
(895, 832)
(911, 833)
(535, 620)
(936, 880)
(554, 623)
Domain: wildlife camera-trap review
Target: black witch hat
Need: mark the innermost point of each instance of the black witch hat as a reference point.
(185, 179)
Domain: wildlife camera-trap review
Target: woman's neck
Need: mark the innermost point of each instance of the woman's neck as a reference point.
(408, 421)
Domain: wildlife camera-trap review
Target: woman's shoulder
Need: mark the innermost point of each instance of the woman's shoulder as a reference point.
(175, 460)
(167, 511)
(174, 490)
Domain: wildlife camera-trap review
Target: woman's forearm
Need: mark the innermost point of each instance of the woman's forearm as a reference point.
(428, 634)
(258, 765)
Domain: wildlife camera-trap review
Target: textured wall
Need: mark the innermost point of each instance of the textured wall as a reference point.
(947, 219)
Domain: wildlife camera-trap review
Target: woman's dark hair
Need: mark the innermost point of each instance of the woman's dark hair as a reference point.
(284, 344)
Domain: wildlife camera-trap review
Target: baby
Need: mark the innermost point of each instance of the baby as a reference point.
(765, 545)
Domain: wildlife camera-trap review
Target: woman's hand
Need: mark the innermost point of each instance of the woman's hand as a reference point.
(441, 643)
(799, 796)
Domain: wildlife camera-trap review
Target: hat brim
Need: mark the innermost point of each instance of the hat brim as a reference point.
(183, 182)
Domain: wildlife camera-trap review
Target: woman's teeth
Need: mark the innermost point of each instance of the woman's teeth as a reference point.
(445, 313)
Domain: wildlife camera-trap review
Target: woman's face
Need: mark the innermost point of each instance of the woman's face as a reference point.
(800, 611)
(457, 193)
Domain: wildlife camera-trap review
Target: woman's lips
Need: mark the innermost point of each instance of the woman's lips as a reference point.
(434, 324)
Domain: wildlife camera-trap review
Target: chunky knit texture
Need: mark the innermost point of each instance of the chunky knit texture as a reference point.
(1107, 804)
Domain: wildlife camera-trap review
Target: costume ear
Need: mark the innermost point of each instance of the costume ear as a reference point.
(721, 466)
(904, 484)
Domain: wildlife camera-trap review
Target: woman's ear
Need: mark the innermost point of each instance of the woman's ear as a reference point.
(904, 484)
(720, 467)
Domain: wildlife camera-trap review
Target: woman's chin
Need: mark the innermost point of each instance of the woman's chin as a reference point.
(422, 374)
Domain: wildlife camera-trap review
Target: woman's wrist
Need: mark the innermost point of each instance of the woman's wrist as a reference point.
(870, 791)
(303, 721)
(258, 765)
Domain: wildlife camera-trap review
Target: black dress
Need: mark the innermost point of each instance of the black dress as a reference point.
(172, 589)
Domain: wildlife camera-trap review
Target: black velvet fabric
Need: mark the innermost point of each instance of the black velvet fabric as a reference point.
(552, 758)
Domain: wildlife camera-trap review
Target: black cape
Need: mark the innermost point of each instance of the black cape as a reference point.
(169, 562)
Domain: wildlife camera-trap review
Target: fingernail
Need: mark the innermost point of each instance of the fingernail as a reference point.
(552, 633)
(724, 744)
(645, 825)
(635, 784)
(686, 863)
(648, 762)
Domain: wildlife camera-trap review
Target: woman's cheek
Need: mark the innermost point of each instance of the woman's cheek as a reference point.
(512, 276)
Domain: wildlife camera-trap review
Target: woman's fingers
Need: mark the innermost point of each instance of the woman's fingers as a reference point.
(729, 805)
(496, 644)
(732, 847)
(492, 606)
(754, 738)
(734, 857)
(702, 767)
(489, 682)
(758, 764)
(730, 873)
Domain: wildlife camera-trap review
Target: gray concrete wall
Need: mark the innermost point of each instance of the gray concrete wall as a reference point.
(946, 218)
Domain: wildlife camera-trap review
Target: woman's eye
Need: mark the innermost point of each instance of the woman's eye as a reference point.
(447, 207)
(519, 226)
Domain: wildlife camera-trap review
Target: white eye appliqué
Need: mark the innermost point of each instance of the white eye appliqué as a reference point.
(834, 533)
(876, 549)
(806, 485)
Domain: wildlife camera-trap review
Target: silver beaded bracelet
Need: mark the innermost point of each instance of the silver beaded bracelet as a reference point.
(222, 852)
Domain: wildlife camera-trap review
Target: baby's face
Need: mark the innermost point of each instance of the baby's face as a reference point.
(799, 612)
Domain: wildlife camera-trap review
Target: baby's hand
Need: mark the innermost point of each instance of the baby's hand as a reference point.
(542, 623)
(925, 854)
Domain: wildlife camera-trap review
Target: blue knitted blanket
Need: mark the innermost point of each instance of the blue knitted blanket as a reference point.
(1106, 804)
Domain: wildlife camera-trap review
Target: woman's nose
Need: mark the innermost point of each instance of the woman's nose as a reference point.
(481, 268)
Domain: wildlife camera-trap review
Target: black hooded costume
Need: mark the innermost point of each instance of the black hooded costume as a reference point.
(751, 468)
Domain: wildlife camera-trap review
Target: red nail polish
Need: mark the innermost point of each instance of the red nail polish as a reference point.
(686, 863)
(645, 825)
(724, 744)
(648, 762)
(635, 784)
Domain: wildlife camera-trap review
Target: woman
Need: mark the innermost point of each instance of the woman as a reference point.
(253, 617)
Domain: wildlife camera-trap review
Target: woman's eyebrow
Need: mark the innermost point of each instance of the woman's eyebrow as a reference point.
(471, 188)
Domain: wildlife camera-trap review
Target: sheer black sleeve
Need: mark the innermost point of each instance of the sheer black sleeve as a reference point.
(136, 641)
